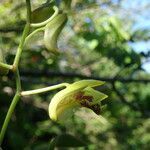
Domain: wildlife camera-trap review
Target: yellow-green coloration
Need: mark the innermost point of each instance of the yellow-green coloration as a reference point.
(3, 71)
(42, 13)
(66, 4)
(52, 32)
(76, 95)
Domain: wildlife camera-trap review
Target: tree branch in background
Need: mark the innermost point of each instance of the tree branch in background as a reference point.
(45, 73)
(132, 105)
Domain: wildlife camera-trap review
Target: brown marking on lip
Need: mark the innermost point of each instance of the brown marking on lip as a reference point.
(79, 95)
(89, 98)
(96, 108)
(85, 104)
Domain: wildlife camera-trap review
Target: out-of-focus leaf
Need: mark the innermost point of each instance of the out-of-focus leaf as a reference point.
(66, 140)
(116, 26)
(3, 71)
(52, 144)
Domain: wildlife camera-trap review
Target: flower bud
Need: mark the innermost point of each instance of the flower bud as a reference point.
(52, 32)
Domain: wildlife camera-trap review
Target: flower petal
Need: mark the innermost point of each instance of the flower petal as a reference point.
(97, 95)
(61, 101)
(85, 83)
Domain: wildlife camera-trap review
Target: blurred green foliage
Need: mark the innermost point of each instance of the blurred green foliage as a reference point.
(94, 43)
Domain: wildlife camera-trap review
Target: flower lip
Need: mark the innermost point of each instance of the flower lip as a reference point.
(91, 99)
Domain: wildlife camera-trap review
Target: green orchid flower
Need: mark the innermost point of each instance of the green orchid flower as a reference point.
(76, 95)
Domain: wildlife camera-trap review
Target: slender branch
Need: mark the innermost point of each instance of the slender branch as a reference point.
(28, 5)
(8, 116)
(133, 106)
(46, 21)
(12, 106)
(122, 98)
(6, 66)
(25, 34)
(18, 81)
(45, 73)
(20, 47)
(42, 90)
(16, 72)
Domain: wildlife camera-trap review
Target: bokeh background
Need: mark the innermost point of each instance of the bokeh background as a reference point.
(104, 39)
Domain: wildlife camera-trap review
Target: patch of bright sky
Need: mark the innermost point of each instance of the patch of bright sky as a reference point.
(139, 12)
(142, 21)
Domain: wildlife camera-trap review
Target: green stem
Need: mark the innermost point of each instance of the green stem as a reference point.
(28, 5)
(6, 66)
(42, 90)
(8, 116)
(46, 21)
(16, 71)
(34, 32)
(18, 81)
(25, 34)
(20, 47)
(12, 106)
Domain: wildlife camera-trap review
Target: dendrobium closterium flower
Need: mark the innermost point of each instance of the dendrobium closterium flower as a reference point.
(76, 95)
